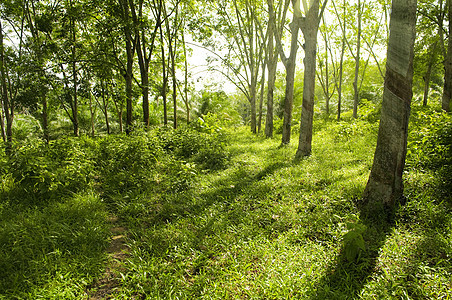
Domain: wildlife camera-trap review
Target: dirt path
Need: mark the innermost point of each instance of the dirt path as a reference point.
(117, 252)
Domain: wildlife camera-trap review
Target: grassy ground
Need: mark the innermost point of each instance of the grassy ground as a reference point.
(264, 227)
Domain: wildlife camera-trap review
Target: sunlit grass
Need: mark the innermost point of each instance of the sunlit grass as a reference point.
(263, 226)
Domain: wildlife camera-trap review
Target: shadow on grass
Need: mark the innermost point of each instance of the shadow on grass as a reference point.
(346, 278)
(53, 246)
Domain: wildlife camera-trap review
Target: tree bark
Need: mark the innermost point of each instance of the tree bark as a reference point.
(128, 73)
(341, 70)
(447, 91)
(290, 83)
(261, 97)
(2, 120)
(385, 184)
(105, 107)
(8, 107)
(357, 58)
(428, 74)
(310, 28)
(74, 106)
(272, 64)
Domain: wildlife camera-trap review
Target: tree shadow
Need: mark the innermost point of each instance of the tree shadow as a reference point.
(345, 278)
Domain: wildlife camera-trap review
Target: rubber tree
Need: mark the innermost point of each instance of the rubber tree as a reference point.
(145, 44)
(8, 107)
(447, 91)
(289, 64)
(309, 26)
(385, 184)
(239, 23)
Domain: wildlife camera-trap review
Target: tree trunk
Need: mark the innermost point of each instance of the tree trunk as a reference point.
(261, 98)
(357, 58)
(164, 79)
(272, 64)
(8, 107)
(92, 111)
(105, 107)
(74, 106)
(310, 30)
(385, 185)
(341, 71)
(428, 74)
(290, 82)
(2, 120)
(128, 76)
(447, 92)
(253, 104)
(187, 105)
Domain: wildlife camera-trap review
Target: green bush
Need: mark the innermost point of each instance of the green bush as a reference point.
(127, 163)
(44, 172)
(208, 150)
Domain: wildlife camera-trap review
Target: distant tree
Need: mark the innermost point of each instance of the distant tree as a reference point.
(7, 105)
(275, 26)
(385, 185)
(447, 92)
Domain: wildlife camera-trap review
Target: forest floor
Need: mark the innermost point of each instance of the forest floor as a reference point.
(263, 227)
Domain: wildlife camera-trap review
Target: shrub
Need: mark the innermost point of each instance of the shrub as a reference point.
(127, 162)
(208, 150)
(46, 171)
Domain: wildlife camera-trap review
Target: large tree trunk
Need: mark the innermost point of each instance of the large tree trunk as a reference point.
(385, 185)
(310, 29)
(447, 92)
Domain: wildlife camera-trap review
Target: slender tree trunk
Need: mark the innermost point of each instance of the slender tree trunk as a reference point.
(261, 98)
(187, 106)
(164, 79)
(119, 110)
(105, 107)
(7, 105)
(272, 64)
(144, 69)
(357, 58)
(310, 29)
(327, 80)
(341, 70)
(290, 83)
(74, 106)
(30, 15)
(385, 185)
(92, 111)
(128, 75)
(447, 91)
(2, 120)
(253, 105)
(428, 74)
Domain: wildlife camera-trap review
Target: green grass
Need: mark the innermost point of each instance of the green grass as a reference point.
(263, 226)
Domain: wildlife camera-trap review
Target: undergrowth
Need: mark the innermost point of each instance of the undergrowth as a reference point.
(219, 213)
